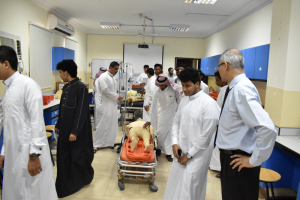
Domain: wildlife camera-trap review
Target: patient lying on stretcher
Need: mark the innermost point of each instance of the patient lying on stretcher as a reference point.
(136, 132)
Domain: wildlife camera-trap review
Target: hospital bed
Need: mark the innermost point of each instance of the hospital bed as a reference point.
(137, 165)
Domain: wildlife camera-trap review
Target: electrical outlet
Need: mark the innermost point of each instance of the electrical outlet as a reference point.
(25, 72)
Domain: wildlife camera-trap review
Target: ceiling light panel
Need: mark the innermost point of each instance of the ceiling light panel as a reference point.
(201, 1)
(178, 27)
(110, 25)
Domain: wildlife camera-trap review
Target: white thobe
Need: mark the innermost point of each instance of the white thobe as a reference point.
(204, 87)
(24, 133)
(150, 89)
(172, 78)
(141, 78)
(96, 121)
(215, 163)
(163, 110)
(193, 130)
(107, 113)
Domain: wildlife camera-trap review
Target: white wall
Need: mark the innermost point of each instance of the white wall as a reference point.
(111, 47)
(14, 18)
(254, 30)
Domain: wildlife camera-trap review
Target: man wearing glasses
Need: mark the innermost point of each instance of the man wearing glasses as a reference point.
(246, 134)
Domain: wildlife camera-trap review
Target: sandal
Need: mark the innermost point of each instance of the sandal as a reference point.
(95, 151)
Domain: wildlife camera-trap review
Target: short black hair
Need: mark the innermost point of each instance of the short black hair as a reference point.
(146, 66)
(177, 69)
(150, 71)
(189, 74)
(158, 65)
(170, 69)
(201, 73)
(69, 66)
(9, 54)
(113, 64)
(217, 74)
(182, 65)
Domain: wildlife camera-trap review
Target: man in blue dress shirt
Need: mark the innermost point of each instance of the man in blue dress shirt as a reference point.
(246, 134)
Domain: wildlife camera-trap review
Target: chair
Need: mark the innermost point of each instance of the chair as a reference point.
(269, 176)
(49, 134)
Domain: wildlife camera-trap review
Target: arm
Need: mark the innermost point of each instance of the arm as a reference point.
(152, 113)
(209, 123)
(34, 107)
(105, 90)
(255, 117)
(81, 112)
(139, 79)
(152, 89)
(58, 121)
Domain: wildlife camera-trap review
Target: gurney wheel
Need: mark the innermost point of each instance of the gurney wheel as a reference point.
(153, 187)
(121, 185)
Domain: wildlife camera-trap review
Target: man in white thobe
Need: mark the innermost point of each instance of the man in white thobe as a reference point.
(143, 78)
(95, 84)
(166, 100)
(193, 132)
(172, 77)
(203, 86)
(215, 163)
(28, 172)
(107, 113)
(150, 89)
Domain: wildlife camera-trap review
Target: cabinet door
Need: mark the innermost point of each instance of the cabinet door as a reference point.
(250, 62)
(261, 62)
(204, 65)
(57, 56)
(69, 54)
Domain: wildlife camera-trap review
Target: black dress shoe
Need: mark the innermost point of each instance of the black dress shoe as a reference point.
(169, 158)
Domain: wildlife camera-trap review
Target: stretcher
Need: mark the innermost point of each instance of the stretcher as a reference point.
(137, 165)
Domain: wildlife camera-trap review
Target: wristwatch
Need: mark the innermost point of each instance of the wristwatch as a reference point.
(188, 155)
(34, 155)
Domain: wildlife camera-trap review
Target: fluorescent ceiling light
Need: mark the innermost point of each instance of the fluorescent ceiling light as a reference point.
(201, 1)
(178, 27)
(110, 25)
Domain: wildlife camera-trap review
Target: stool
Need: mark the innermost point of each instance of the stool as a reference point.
(49, 134)
(50, 128)
(269, 176)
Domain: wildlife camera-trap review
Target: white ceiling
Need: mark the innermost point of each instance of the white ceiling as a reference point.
(87, 15)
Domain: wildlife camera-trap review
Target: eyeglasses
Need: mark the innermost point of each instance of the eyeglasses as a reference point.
(222, 64)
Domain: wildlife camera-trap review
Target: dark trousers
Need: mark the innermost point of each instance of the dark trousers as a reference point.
(243, 185)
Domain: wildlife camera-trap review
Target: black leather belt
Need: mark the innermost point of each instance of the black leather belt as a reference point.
(234, 152)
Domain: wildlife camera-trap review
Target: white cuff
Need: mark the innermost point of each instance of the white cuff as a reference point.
(35, 149)
(3, 151)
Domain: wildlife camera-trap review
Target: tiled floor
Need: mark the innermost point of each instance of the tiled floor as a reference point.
(104, 185)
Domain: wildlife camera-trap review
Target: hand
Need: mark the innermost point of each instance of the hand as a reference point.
(120, 98)
(146, 108)
(142, 85)
(56, 130)
(34, 166)
(175, 151)
(241, 161)
(147, 124)
(72, 137)
(184, 159)
(1, 162)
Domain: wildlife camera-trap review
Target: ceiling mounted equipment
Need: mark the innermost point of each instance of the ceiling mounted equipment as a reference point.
(201, 1)
(54, 23)
(178, 27)
(110, 25)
